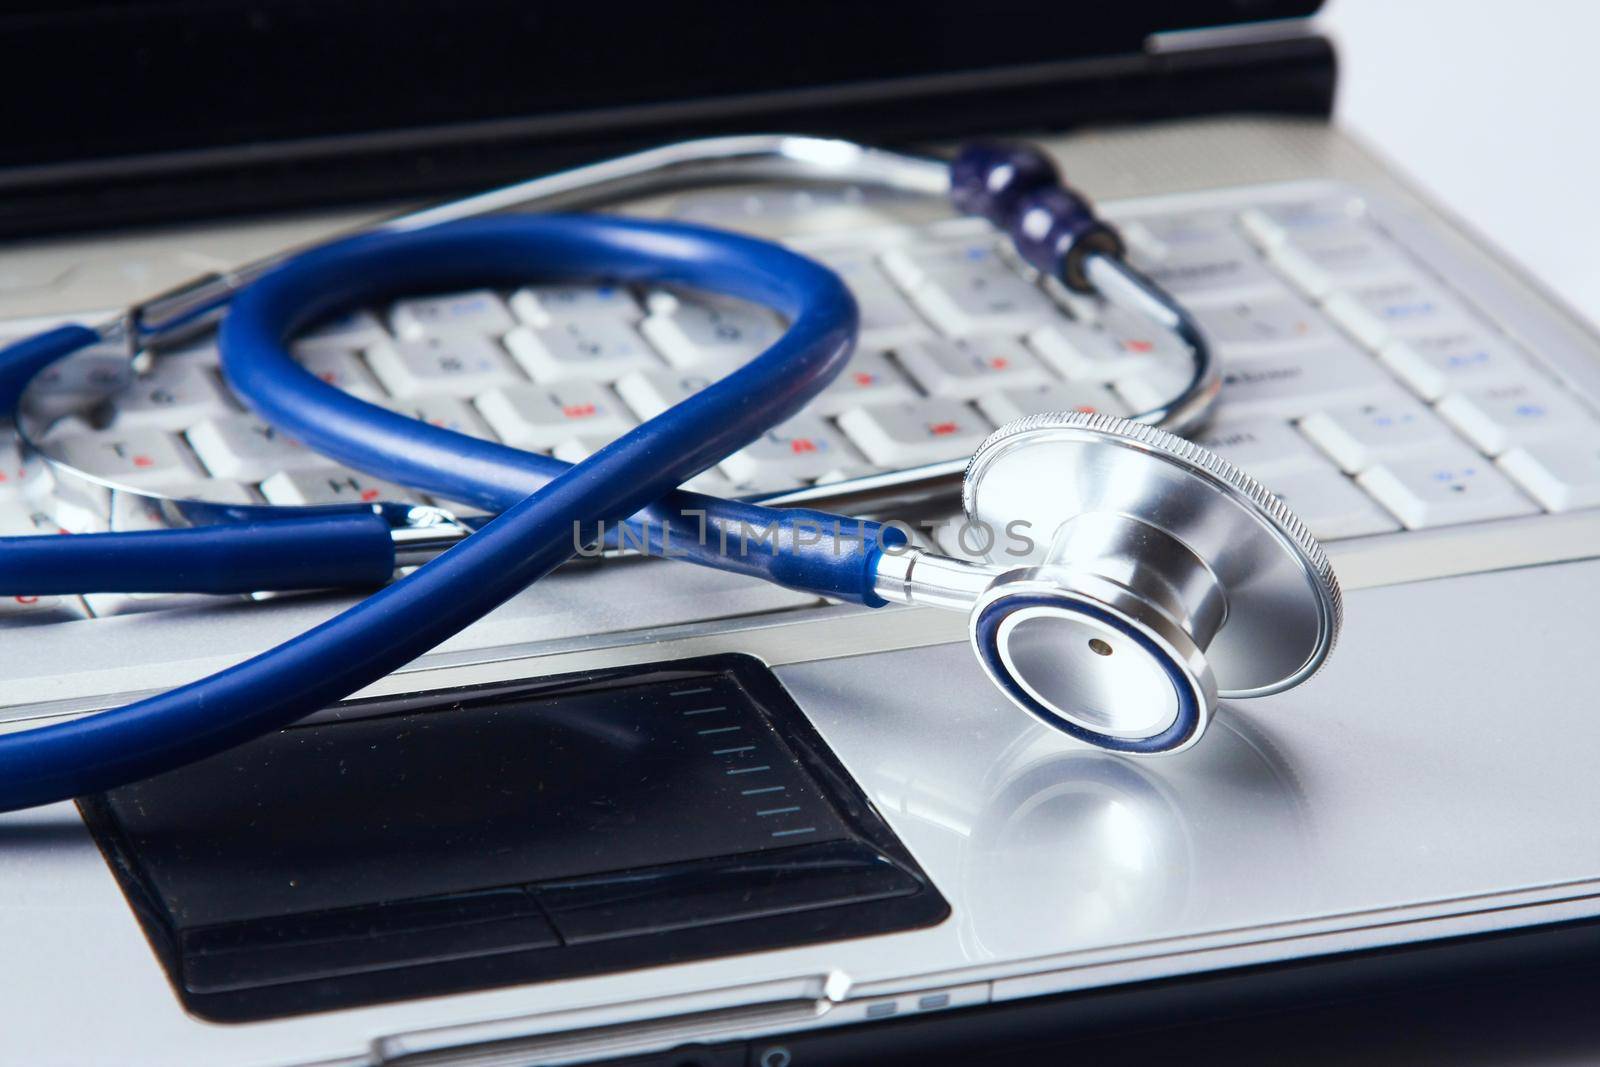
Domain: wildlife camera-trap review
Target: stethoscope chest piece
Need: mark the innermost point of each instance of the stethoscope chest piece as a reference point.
(1148, 578)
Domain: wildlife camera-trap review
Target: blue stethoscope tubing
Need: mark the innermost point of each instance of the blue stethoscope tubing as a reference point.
(541, 499)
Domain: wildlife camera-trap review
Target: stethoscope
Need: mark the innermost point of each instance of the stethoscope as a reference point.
(1157, 579)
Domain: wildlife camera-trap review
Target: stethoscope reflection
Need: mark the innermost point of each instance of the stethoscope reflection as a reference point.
(1072, 849)
(1074, 845)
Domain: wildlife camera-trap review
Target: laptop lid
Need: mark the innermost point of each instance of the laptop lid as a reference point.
(174, 108)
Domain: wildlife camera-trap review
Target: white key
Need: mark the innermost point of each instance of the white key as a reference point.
(1158, 383)
(1563, 475)
(242, 448)
(1216, 264)
(1240, 329)
(1373, 312)
(1136, 335)
(912, 264)
(29, 610)
(906, 435)
(462, 365)
(1153, 238)
(977, 366)
(693, 332)
(1358, 435)
(447, 413)
(650, 392)
(202, 353)
(1272, 224)
(1261, 227)
(548, 305)
(342, 369)
(968, 290)
(1444, 487)
(174, 396)
(1495, 417)
(983, 295)
(1318, 260)
(887, 319)
(127, 513)
(715, 483)
(73, 505)
(1261, 446)
(870, 378)
(801, 450)
(1328, 503)
(1012, 404)
(597, 349)
(1436, 363)
(1091, 354)
(539, 417)
(1140, 242)
(356, 330)
(20, 519)
(334, 485)
(478, 311)
(146, 458)
(1295, 384)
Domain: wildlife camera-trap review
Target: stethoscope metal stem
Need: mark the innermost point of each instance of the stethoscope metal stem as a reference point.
(687, 164)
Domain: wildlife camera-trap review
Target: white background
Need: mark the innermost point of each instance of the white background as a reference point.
(1490, 105)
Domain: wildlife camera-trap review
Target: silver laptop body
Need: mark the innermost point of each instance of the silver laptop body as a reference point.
(1433, 781)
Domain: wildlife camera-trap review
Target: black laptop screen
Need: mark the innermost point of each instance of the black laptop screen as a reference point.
(94, 80)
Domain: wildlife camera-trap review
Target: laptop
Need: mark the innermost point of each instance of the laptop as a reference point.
(651, 814)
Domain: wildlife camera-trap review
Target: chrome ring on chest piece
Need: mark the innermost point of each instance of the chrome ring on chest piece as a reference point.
(1134, 579)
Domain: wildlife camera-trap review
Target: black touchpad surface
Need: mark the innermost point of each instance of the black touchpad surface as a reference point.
(501, 835)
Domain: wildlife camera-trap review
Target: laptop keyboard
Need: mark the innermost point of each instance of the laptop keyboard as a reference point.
(1357, 386)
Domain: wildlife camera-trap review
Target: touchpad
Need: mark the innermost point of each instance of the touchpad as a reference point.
(503, 835)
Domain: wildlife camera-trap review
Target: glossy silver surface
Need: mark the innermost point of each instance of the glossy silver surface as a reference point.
(1207, 547)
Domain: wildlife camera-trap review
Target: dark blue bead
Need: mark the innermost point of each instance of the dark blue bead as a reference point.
(1017, 188)
(987, 178)
(1053, 228)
